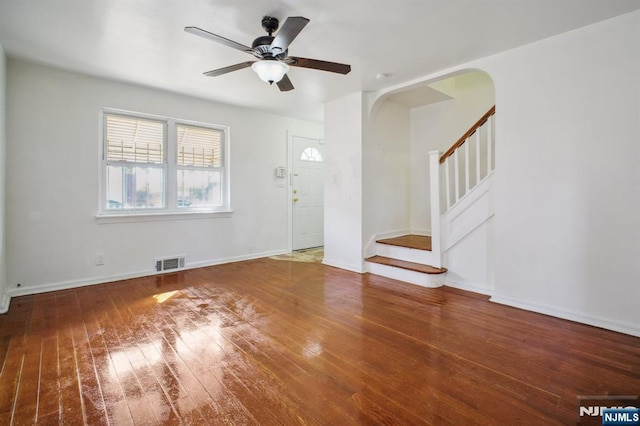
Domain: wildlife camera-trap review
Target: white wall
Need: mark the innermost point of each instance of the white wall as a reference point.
(385, 169)
(52, 187)
(567, 180)
(343, 225)
(567, 224)
(436, 127)
(4, 300)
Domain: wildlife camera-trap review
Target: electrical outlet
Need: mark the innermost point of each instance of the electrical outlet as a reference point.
(99, 259)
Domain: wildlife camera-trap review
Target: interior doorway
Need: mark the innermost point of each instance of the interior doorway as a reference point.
(307, 193)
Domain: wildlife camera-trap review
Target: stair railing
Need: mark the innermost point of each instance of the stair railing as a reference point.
(469, 160)
(460, 169)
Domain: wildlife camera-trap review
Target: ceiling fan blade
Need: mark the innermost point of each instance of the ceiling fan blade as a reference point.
(285, 84)
(319, 65)
(214, 37)
(289, 31)
(236, 67)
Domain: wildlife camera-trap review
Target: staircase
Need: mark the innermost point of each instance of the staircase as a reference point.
(461, 201)
(406, 258)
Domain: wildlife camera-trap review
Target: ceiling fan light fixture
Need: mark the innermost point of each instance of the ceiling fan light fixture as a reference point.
(270, 71)
(272, 53)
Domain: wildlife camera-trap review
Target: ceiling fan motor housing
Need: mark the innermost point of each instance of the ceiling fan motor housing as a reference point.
(262, 43)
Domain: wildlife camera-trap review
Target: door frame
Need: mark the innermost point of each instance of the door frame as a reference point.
(290, 136)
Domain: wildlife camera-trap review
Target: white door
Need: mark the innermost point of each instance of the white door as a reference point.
(307, 184)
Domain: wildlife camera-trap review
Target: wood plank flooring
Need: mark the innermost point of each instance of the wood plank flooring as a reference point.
(419, 242)
(277, 342)
(411, 266)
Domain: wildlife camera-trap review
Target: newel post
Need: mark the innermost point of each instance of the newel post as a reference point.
(434, 178)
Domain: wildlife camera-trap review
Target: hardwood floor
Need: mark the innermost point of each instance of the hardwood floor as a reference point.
(411, 266)
(276, 342)
(419, 242)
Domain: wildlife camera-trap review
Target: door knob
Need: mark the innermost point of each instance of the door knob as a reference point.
(295, 200)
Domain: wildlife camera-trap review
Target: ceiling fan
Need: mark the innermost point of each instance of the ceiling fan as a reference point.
(272, 53)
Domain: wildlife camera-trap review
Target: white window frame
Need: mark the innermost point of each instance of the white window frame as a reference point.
(170, 166)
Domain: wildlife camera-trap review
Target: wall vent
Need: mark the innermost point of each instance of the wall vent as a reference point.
(169, 264)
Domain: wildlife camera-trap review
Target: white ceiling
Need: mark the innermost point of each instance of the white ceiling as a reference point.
(143, 41)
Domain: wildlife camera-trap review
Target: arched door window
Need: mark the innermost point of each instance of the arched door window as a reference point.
(311, 154)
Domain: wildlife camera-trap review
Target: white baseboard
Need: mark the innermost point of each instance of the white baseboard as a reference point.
(5, 300)
(392, 234)
(353, 268)
(241, 258)
(370, 247)
(468, 287)
(596, 321)
(64, 285)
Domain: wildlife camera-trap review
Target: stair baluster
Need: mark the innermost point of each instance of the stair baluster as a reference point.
(484, 138)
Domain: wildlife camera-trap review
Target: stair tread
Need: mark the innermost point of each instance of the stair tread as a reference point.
(420, 242)
(411, 266)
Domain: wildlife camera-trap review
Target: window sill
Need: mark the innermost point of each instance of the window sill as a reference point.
(150, 217)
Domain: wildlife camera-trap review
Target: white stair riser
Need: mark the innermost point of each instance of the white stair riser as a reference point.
(407, 254)
(413, 277)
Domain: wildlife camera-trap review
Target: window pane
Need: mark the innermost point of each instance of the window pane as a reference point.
(199, 146)
(134, 139)
(134, 187)
(311, 154)
(199, 188)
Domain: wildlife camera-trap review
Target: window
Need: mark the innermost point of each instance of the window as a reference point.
(135, 165)
(311, 154)
(199, 166)
(162, 165)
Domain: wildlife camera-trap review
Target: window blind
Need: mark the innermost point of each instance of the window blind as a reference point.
(134, 139)
(199, 146)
